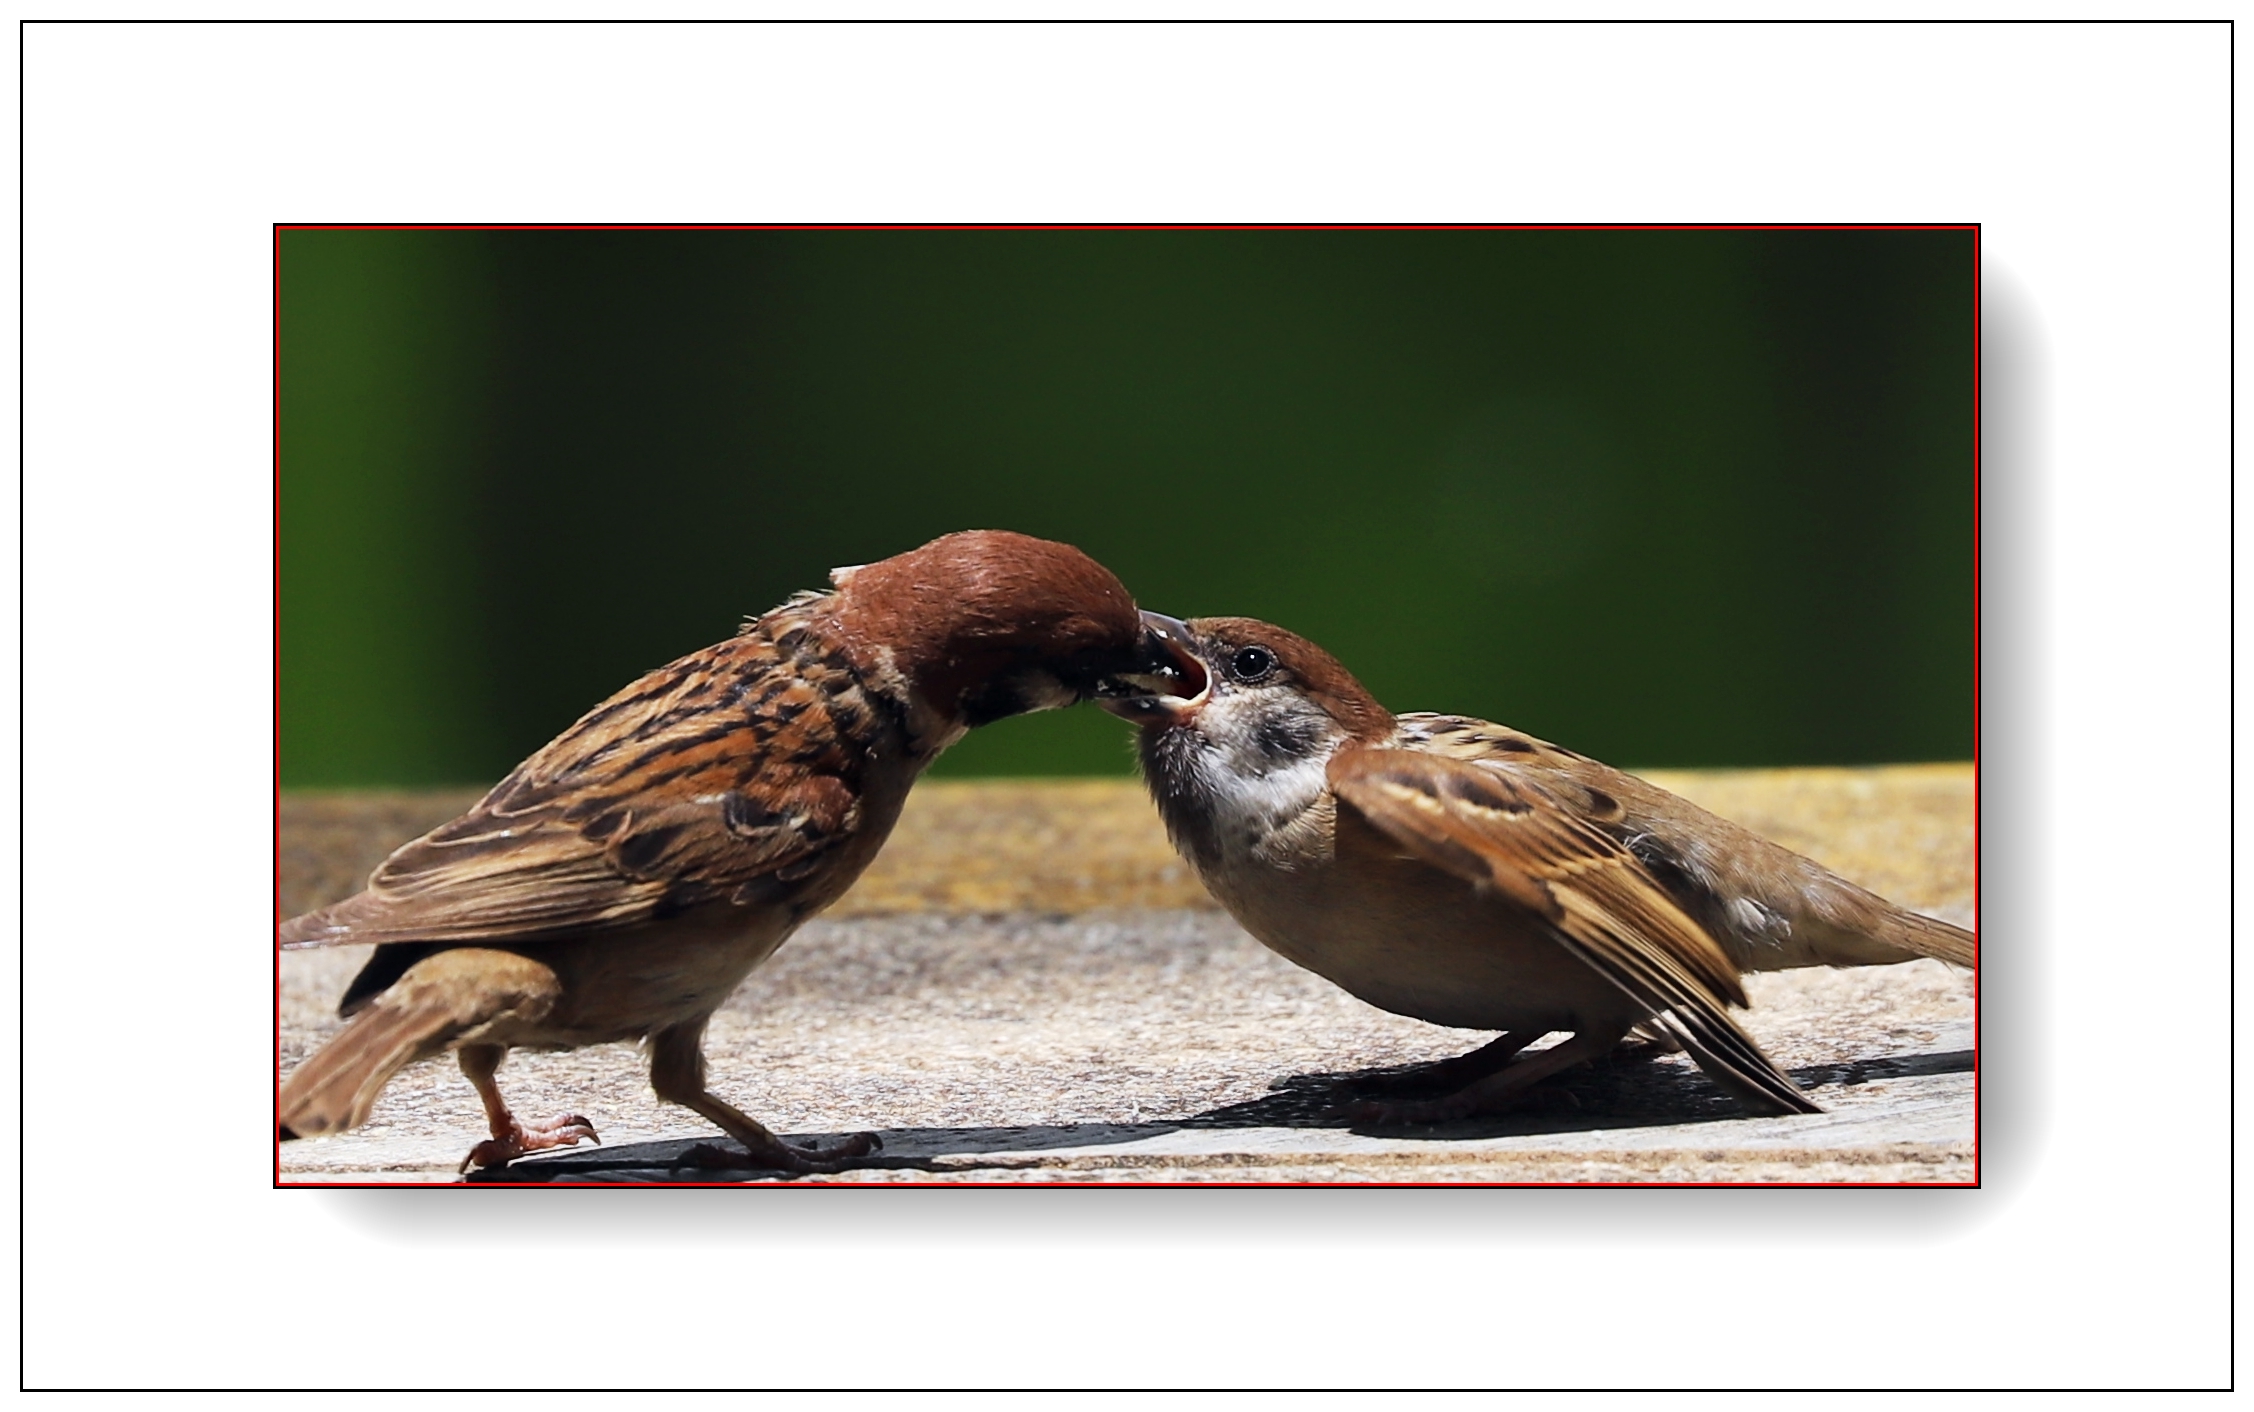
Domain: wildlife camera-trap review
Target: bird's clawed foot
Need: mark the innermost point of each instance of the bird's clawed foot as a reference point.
(1642, 1046)
(1515, 1084)
(775, 1155)
(522, 1137)
(845, 1149)
(1450, 1075)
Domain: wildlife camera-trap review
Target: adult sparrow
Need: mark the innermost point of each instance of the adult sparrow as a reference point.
(1465, 873)
(622, 881)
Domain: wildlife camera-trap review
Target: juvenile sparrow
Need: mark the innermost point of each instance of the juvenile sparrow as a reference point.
(1462, 872)
(622, 881)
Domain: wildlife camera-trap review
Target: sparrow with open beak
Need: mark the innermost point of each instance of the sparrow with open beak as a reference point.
(1462, 872)
(622, 881)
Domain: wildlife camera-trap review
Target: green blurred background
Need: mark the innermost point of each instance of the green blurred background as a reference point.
(1670, 497)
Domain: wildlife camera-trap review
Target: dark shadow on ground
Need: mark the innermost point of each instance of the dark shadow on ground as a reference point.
(1631, 1094)
(1638, 1093)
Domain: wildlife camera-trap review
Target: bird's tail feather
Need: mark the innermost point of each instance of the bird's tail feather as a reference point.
(1930, 936)
(335, 1088)
(1832, 922)
(444, 1000)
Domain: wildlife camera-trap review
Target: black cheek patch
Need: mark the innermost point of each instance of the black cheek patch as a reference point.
(1287, 738)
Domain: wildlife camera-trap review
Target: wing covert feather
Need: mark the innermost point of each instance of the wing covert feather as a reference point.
(698, 782)
(1507, 833)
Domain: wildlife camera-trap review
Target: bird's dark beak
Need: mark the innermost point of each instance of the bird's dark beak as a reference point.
(1172, 683)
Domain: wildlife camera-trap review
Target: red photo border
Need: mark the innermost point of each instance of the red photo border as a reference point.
(786, 1183)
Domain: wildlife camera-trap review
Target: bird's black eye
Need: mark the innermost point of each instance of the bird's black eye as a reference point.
(1252, 663)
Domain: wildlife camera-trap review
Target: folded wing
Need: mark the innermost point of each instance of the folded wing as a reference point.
(1511, 835)
(670, 794)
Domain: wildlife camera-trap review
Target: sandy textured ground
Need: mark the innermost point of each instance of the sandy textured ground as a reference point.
(1028, 987)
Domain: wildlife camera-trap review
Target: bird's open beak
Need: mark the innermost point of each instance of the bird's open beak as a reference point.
(1174, 686)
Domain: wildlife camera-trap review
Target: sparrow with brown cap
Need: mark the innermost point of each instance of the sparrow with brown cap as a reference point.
(621, 882)
(1461, 872)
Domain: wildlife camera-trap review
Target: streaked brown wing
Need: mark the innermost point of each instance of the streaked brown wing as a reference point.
(1509, 834)
(670, 793)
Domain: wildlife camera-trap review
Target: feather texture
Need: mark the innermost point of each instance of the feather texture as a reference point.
(1771, 908)
(668, 841)
(441, 1002)
(1494, 831)
(740, 764)
(1466, 873)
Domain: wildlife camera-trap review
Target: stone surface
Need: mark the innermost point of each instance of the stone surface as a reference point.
(1028, 987)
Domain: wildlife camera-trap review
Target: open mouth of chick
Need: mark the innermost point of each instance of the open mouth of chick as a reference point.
(1177, 686)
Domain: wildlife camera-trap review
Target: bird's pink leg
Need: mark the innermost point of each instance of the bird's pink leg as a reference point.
(1451, 1074)
(677, 1075)
(511, 1138)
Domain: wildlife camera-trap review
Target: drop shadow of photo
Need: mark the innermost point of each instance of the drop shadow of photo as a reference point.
(1641, 1093)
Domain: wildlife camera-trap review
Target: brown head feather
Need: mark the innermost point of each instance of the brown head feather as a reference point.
(1320, 676)
(969, 607)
